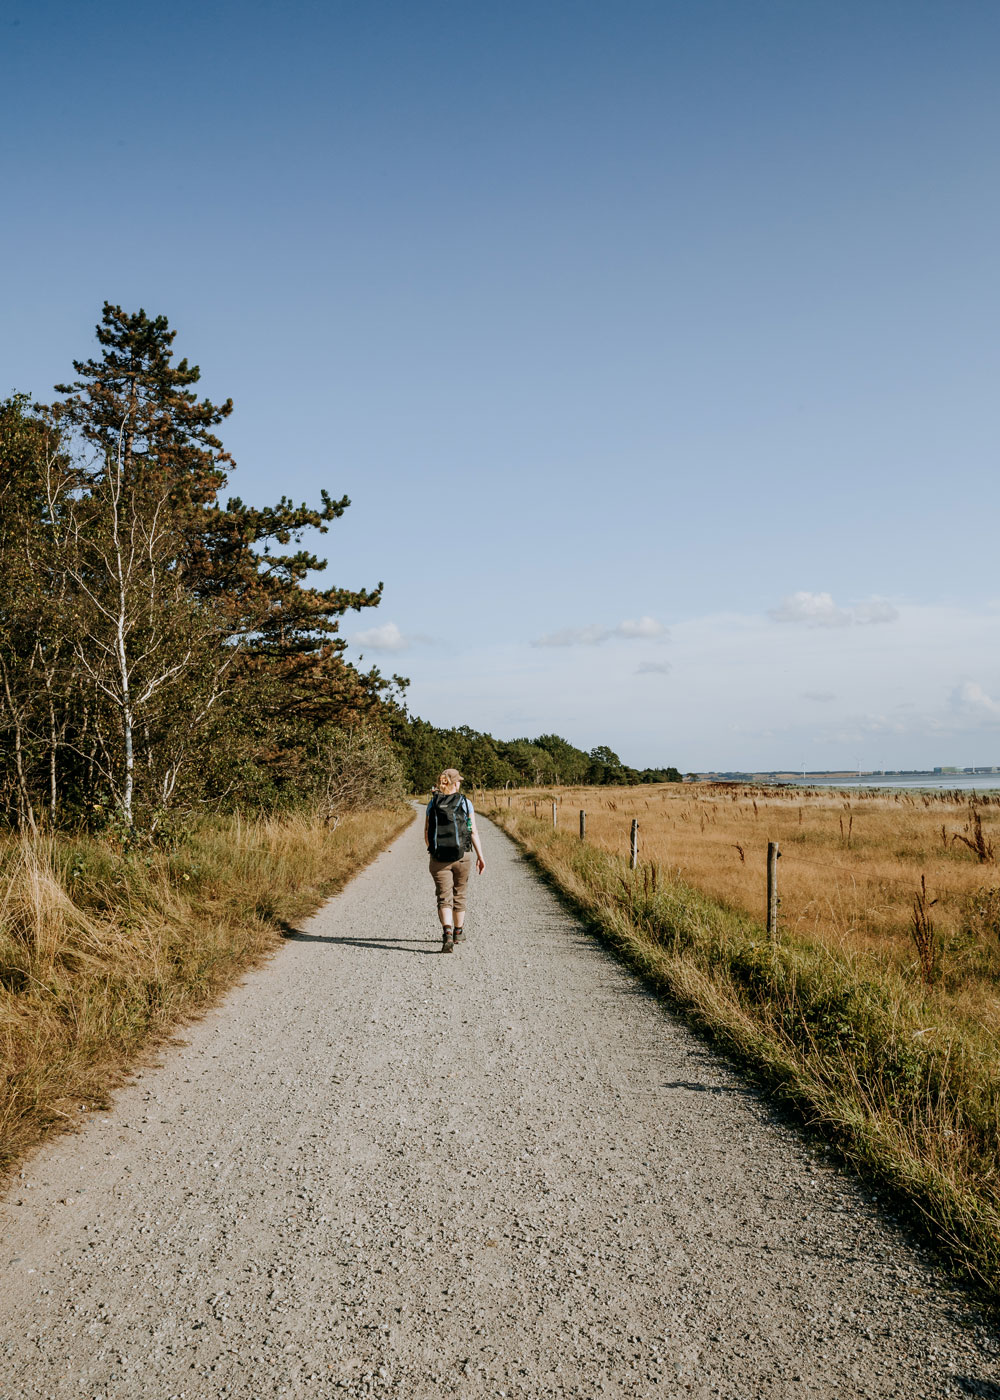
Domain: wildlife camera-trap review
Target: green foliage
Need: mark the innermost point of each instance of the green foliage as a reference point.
(358, 770)
(494, 763)
(157, 645)
(569, 764)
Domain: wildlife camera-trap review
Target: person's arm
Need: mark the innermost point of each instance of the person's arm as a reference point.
(427, 826)
(476, 846)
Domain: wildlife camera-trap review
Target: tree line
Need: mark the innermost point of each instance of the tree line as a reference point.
(162, 647)
(493, 763)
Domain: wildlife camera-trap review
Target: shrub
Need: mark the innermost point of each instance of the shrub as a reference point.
(360, 771)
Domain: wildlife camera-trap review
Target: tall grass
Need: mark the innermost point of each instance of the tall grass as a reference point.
(852, 866)
(103, 951)
(895, 1069)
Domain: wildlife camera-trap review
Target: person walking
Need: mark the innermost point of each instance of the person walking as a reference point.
(450, 836)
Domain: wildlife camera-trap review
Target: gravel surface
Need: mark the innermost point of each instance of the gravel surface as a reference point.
(377, 1170)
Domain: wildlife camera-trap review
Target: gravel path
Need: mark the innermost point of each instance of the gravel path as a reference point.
(379, 1171)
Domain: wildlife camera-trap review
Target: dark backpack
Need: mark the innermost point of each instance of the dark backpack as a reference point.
(450, 826)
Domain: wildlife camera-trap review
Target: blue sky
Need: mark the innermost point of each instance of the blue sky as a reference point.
(655, 344)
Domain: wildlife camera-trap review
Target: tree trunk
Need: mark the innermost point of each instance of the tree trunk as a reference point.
(27, 811)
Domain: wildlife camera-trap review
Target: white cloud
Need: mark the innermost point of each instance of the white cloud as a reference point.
(967, 710)
(388, 637)
(821, 696)
(876, 610)
(970, 699)
(814, 609)
(819, 610)
(653, 668)
(640, 629)
(590, 636)
(646, 627)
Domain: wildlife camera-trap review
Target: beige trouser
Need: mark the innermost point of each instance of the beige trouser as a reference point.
(450, 880)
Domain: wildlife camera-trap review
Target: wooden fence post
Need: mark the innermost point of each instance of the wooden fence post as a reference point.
(772, 888)
(535, 805)
(634, 844)
(555, 810)
(583, 825)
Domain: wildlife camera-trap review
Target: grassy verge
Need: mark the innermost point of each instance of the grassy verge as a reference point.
(857, 1050)
(103, 952)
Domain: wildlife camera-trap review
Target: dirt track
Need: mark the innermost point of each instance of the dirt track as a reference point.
(377, 1170)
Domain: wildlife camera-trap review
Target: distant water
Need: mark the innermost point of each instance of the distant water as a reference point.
(949, 782)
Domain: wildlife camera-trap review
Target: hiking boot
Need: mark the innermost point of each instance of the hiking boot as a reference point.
(460, 935)
(448, 942)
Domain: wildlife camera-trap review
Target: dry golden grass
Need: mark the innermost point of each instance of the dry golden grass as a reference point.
(850, 868)
(893, 1055)
(103, 952)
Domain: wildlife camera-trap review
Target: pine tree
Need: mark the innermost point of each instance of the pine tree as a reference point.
(134, 404)
(198, 629)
